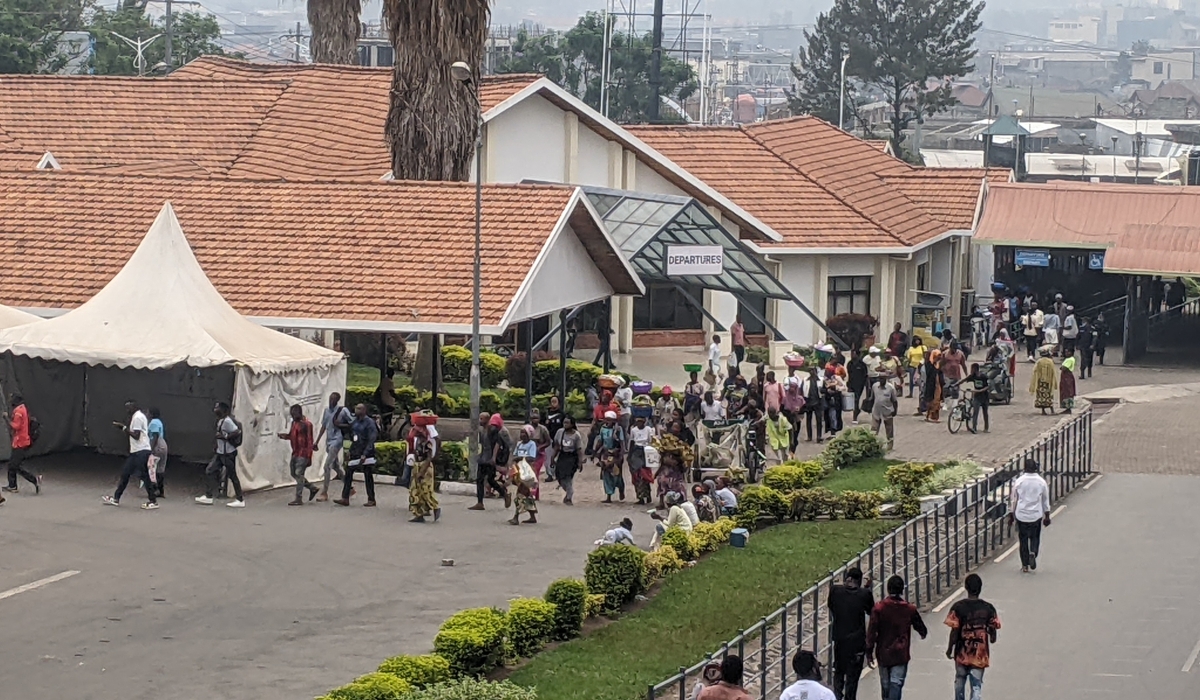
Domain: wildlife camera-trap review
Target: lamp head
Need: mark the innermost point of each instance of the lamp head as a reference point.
(461, 72)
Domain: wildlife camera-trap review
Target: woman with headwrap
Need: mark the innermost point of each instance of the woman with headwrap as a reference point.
(608, 447)
(706, 507)
(640, 471)
(499, 445)
(1066, 385)
(526, 451)
(422, 501)
(1043, 383)
(1007, 351)
(934, 383)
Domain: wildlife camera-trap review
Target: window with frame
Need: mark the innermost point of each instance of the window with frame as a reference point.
(665, 308)
(850, 295)
(923, 276)
(1158, 67)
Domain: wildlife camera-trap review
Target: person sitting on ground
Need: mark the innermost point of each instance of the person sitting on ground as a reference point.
(676, 517)
(706, 507)
(726, 497)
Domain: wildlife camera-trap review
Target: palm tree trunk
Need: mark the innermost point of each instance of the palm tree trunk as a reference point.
(433, 119)
(335, 30)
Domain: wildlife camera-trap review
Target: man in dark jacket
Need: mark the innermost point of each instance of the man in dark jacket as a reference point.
(889, 636)
(849, 606)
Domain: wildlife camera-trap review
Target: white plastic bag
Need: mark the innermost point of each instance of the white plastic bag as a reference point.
(526, 473)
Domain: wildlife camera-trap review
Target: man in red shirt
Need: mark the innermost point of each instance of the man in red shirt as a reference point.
(301, 437)
(889, 636)
(18, 425)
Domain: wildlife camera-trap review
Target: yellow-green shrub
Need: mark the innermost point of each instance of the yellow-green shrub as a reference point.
(373, 686)
(616, 571)
(662, 562)
(793, 475)
(593, 605)
(418, 671)
(684, 544)
(530, 625)
(473, 641)
(569, 596)
(708, 536)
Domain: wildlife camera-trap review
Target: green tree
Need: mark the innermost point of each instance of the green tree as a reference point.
(574, 59)
(818, 71)
(193, 35)
(30, 30)
(907, 51)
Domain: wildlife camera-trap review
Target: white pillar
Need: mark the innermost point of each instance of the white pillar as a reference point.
(820, 296)
(571, 147)
(956, 283)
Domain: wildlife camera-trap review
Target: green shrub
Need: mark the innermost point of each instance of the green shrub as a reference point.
(456, 366)
(473, 641)
(615, 571)
(359, 394)
(748, 518)
(684, 544)
(418, 671)
(580, 375)
(514, 367)
(408, 399)
(450, 463)
(910, 482)
(471, 689)
(662, 562)
(860, 505)
(810, 504)
(577, 406)
(952, 475)
(765, 500)
(708, 536)
(725, 526)
(447, 405)
(373, 686)
(593, 605)
(851, 447)
(569, 596)
(758, 354)
(512, 406)
(794, 474)
(530, 625)
(389, 457)
(489, 402)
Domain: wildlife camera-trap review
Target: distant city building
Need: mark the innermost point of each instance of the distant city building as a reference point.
(1083, 30)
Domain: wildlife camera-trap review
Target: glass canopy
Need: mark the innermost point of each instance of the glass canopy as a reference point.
(643, 225)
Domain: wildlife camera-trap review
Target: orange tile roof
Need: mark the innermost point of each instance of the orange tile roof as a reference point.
(756, 179)
(384, 252)
(950, 194)
(230, 118)
(90, 121)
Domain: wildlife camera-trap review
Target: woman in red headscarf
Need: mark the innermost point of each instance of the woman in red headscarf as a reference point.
(422, 501)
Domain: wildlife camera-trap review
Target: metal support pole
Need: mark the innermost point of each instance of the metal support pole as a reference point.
(528, 369)
(562, 361)
(473, 428)
(656, 49)
(169, 30)
(842, 95)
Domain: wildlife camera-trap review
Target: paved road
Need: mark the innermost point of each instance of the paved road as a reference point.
(264, 603)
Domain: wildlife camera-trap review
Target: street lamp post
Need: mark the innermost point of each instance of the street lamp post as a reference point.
(842, 94)
(462, 73)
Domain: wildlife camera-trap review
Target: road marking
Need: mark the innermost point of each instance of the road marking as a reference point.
(1008, 552)
(37, 584)
(1114, 675)
(953, 597)
(1191, 660)
(1092, 483)
(1058, 510)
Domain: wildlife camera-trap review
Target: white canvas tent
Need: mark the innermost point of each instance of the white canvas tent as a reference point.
(161, 334)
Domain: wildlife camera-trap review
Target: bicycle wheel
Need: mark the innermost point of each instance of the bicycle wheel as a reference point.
(957, 419)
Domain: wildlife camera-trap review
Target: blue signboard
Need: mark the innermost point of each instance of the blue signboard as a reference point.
(1096, 261)
(1026, 257)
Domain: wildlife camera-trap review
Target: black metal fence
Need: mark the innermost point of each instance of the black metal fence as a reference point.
(933, 552)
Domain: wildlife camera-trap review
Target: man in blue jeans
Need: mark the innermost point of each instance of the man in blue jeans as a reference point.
(889, 636)
(973, 625)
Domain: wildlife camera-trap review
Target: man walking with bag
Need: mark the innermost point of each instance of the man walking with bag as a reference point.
(362, 456)
(22, 439)
(335, 423)
(1029, 508)
(229, 439)
(138, 432)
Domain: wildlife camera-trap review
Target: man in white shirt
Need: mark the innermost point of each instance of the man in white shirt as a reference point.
(872, 361)
(809, 687)
(138, 432)
(1029, 508)
(726, 498)
(714, 357)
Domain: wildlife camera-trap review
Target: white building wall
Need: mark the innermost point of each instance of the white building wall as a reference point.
(594, 163)
(651, 182)
(526, 143)
(848, 265)
(939, 268)
(798, 274)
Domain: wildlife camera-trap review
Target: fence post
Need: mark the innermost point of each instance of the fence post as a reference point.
(783, 647)
(682, 683)
(762, 664)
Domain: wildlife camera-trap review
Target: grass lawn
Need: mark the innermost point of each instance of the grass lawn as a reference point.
(695, 611)
(867, 475)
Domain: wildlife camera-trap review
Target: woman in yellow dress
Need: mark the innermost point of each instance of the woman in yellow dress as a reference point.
(422, 501)
(1043, 383)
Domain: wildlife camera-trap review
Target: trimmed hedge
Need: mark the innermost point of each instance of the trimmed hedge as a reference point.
(665, 561)
(569, 597)
(616, 572)
(418, 671)
(473, 641)
(909, 481)
(794, 474)
(850, 447)
(530, 625)
(471, 689)
(593, 606)
(684, 544)
(373, 686)
(580, 376)
(761, 501)
(456, 366)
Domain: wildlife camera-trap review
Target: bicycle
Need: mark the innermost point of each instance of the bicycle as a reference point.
(960, 412)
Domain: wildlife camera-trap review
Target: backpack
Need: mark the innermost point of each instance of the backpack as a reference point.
(235, 439)
(502, 451)
(347, 431)
(35, 429)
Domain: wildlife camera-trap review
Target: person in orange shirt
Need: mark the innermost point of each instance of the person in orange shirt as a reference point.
(18, 425)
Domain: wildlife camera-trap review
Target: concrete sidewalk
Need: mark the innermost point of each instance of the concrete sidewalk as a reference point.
(1110, 612)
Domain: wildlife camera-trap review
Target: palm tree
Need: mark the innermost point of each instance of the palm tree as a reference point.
(335, 30)
(433, 119)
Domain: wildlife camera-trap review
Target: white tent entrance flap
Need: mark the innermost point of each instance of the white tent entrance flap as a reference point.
(159, 333)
